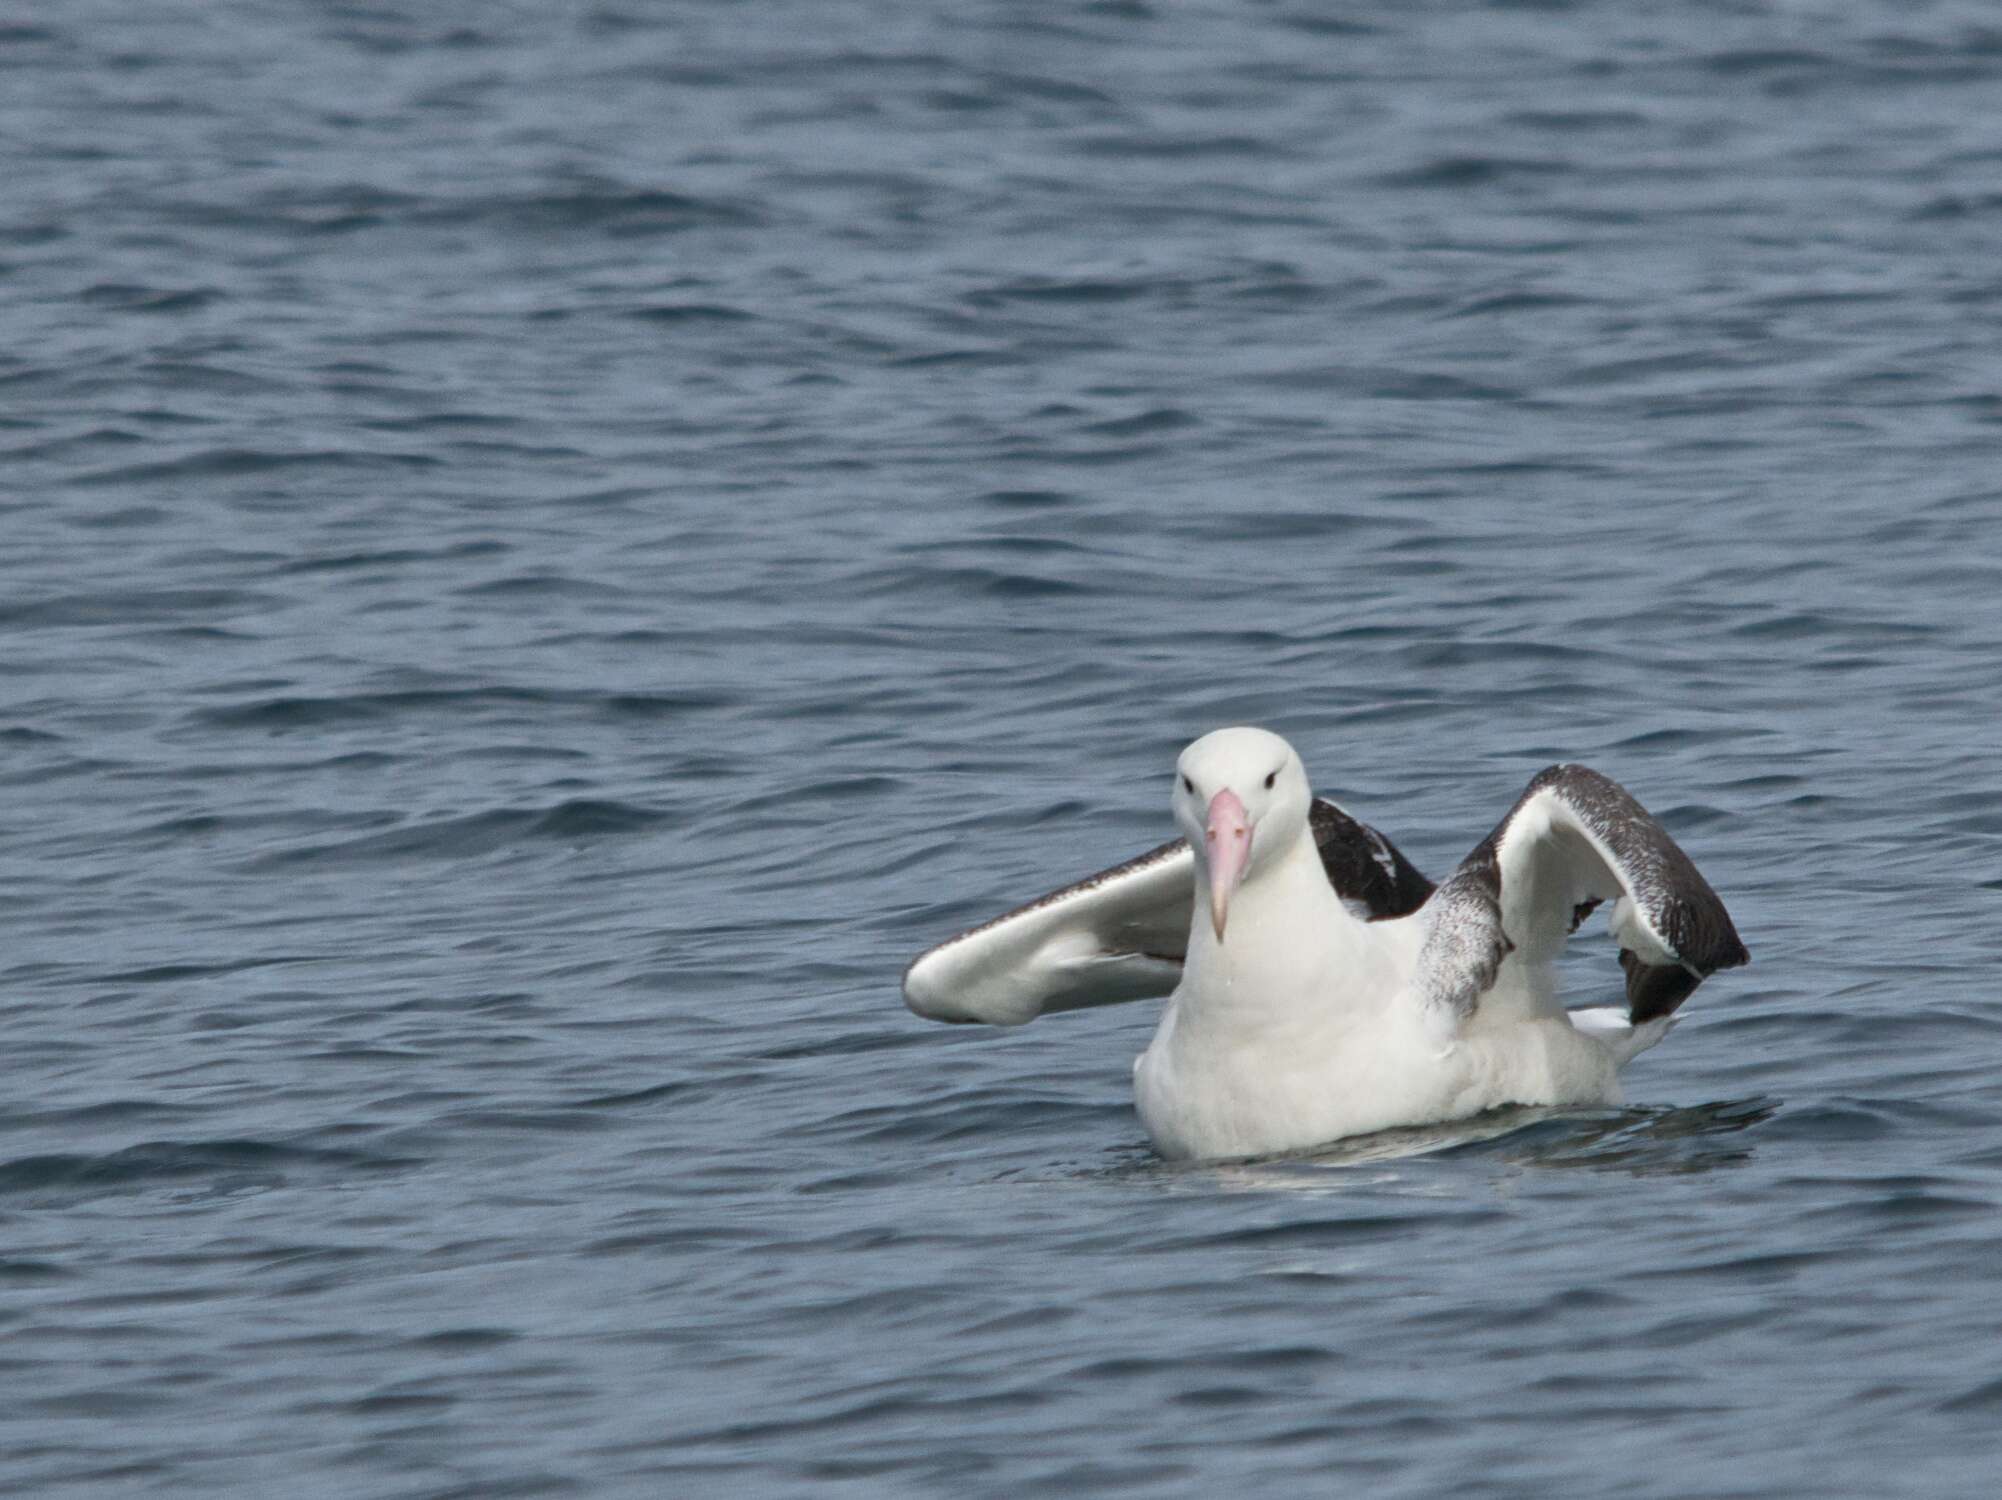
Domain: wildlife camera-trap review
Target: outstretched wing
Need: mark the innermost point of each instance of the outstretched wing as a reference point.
(1122, 934)
(1573, 840)
(1117, 935)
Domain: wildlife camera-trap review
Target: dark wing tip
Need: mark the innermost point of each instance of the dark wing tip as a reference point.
(1365, 867)
(1655, 990)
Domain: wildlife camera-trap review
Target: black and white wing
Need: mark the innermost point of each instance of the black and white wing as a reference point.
(1117, 935)
(1574, 840)
(1122, 934)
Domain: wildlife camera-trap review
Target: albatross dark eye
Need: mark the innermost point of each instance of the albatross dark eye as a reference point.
(1271, 781)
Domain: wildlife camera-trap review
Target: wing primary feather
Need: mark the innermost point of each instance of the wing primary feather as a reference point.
(1366, 869)
(1113, 936)
(1669, 894)
(1574, 839)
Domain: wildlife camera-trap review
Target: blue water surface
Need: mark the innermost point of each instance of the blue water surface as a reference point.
(545, 550)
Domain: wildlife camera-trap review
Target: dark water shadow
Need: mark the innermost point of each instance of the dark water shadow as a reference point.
(1643, 1141)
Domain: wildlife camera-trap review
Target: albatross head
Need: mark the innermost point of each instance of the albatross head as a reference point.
(1241, 796)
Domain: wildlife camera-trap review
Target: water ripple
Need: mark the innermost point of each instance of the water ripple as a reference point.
(544, 560)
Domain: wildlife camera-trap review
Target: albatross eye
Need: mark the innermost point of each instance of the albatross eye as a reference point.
(1271, 781)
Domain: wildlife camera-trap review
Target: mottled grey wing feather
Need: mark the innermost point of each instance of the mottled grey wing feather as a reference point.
(1122, 933)
(1573, 840)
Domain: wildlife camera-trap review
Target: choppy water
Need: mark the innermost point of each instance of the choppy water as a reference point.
(544, 550)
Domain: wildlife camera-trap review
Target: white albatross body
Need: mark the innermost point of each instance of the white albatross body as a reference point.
(1325, 988)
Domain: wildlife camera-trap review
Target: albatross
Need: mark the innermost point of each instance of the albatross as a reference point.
(1320, 987)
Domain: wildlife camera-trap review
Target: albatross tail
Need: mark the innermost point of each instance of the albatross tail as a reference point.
(1608, 1025)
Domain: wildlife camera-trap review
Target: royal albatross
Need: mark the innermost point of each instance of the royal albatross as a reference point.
(1321, 987)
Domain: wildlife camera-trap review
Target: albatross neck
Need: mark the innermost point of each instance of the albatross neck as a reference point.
(1287, 929)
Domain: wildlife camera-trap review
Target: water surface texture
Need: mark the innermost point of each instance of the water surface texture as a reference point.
(545, 550)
